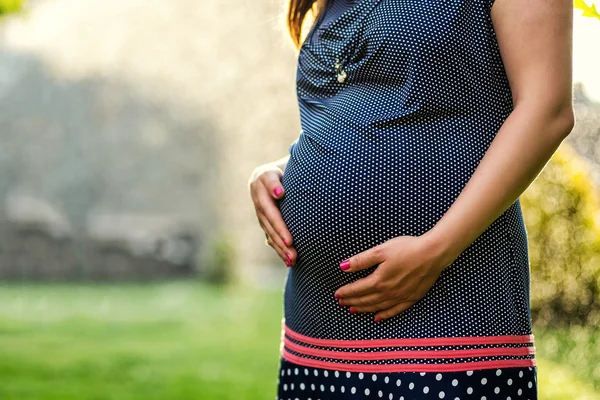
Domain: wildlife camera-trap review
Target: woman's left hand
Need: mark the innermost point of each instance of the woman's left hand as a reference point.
(407, 267)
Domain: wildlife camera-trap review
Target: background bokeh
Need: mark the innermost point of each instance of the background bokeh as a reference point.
(131, 263)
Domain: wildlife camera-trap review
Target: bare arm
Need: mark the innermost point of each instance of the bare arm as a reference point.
(535, 42)
(535, 45)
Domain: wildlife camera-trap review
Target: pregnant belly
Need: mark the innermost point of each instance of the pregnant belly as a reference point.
(344, 200)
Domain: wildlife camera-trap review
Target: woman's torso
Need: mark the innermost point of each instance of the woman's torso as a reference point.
(385, 153)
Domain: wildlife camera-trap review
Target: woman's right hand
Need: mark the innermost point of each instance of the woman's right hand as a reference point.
(265, 189)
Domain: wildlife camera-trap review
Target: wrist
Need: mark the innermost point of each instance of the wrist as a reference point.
(440, 247)
(281, 163)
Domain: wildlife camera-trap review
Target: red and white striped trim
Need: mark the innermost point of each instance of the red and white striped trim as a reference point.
(447, 341)
(301, 353)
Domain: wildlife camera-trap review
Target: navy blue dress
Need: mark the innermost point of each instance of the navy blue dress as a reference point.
(399, 101)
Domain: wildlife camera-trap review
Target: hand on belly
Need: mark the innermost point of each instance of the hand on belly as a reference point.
(407, 267)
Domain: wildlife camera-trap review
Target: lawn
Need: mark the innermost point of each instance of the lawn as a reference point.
(185, 340)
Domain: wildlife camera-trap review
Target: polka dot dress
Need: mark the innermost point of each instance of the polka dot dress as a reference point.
(298, 382)
(399, 101)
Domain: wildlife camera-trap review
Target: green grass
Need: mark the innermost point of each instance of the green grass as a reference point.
(170, 341)
(184, 340)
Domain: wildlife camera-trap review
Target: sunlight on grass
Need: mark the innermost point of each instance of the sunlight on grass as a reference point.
(171, 341)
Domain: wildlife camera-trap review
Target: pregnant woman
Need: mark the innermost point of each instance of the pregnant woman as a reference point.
(397, 208)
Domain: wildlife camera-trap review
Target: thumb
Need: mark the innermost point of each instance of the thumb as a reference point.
(363, 260)
(274, 186)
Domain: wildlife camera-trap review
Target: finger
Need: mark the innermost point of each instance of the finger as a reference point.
(363, 260)
(358, 288)
(256, 188)
(393, 311)
(290, 252)
(364, 300)
(280, 253)
(273, 234)
(384, 305)
(274, 243)
(271, 211)
(262, 199)
(269, 207)
(272, 181)
(259, 197)
(274, 240)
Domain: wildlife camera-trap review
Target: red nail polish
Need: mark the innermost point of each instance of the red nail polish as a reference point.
(337, 296)
(352, 310)
(284, 242)
(340, 303)
(277, 191)
(345, 264)
(378, 319)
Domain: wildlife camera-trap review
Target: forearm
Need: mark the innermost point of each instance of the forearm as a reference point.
(524, 144)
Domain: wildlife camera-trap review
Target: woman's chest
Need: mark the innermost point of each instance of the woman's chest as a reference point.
(391, 39)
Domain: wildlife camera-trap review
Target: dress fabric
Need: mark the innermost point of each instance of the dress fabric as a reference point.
(399, 100)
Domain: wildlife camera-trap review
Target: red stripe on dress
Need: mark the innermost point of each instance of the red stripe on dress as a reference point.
(446, 341)
(388, 355)
(454, 367)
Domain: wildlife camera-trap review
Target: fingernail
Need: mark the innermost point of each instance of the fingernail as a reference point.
(340, 303)
(345, 264)
(284, 242)
(378, 319)
(337, 296)
(277, 191)
(352, 310)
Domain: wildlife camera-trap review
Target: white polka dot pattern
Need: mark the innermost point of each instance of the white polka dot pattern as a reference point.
(413, 386)
(385, 153)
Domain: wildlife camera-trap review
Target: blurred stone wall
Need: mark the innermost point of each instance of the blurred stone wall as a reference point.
(148, 117)
(138, 110)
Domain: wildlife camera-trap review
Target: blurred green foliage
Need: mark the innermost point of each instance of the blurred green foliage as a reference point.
(184, 340)
(577, 347)
(218, 266)
(562, 214)
(588, 11)
(8, 6)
